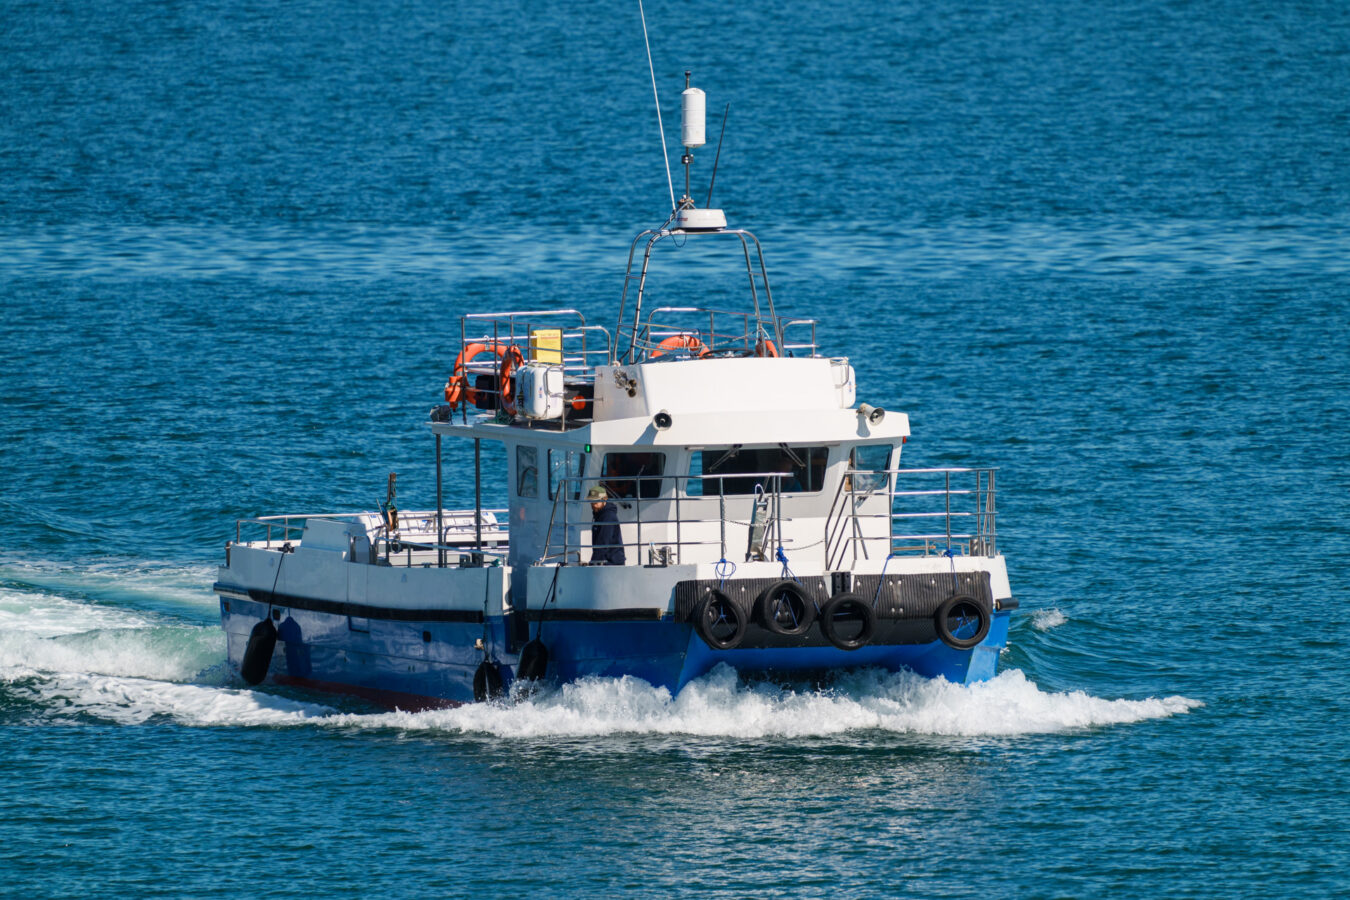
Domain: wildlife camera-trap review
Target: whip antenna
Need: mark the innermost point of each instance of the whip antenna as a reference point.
(718, 157)
(662, 128)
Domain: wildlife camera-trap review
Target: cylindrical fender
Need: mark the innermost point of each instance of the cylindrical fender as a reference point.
(962, 621)
(844, 608)
(262, 640)
(719, 621)
(533, 661)
(785, 608)
(487, 682)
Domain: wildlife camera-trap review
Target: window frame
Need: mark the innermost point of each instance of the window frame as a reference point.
(658, 477)
(885, 480)
(568, 455)
(807, 451)
(533, 467)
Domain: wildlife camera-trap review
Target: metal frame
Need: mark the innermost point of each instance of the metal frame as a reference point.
(653, 237)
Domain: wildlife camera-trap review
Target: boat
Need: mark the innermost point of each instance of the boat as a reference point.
(696, 486)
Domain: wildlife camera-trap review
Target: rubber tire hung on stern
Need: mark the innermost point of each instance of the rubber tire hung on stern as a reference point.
(849, 605)
(718, 609)
(954, 617)
(786, 609)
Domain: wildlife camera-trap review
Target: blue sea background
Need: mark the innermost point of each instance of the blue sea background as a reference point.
(1103, 247)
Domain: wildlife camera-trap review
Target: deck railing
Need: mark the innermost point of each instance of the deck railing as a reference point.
(686, 524)
(926, 512)
(581, 347)
(413, 543)
(874, 513)
(718, 331)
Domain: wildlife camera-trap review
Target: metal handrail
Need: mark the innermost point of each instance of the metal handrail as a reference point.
(404, 537)
(570, 492)
(979, 539)
(651, 238)
(511, 327)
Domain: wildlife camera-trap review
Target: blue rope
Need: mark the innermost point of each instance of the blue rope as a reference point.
(882, 579)
(782, 558)
(956, 586)
(720, 570)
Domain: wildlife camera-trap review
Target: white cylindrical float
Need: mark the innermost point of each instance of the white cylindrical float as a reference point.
(692, 105)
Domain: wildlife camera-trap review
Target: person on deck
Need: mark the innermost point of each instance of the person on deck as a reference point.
(606, 539)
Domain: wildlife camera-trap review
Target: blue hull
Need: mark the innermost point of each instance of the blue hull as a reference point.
(414, 664)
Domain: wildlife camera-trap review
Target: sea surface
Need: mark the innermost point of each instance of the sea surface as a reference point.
(1104, 247)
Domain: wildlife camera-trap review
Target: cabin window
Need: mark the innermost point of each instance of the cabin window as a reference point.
(793, 470)
(873, 458)
(564, 464)
(527, 471)
(634, 474)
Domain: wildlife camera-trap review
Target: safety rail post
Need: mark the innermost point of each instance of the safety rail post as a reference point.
(948, 492)
(721, 510)
(679, 540)
(992, 516)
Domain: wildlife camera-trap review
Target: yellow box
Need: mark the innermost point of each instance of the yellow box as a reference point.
(546, 345)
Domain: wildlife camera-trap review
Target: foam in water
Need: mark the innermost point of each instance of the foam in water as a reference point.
(79, 658)
(1045, 619)
(42, 631)
(717, 705)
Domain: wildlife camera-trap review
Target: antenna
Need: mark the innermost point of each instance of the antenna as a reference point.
(688, 217)
(718, 157)
(669, 183)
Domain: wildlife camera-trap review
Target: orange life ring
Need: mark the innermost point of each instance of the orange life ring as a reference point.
(458, 389)
(766, 349)
(681, 341)
(512, 359)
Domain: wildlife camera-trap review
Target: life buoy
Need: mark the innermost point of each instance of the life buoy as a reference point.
(487, 682)
(766, 349)
(457, 388)
(962, 621)
(846, 608)
(512, 359)
(785, 608)
(713, 616)
(681, 341)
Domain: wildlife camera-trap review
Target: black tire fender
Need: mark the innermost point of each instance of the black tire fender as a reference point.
(717, 609)
(953, 617)
(785, 608)
(852, 604)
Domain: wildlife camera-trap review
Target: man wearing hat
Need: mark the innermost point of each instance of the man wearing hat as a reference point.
(606, 539)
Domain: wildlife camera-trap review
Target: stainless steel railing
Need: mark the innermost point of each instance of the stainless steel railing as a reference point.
(414, 542)
(926, 512)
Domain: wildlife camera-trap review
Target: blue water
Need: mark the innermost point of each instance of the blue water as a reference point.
(1105, 247)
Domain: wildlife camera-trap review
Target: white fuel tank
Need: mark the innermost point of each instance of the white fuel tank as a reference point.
(541, 390)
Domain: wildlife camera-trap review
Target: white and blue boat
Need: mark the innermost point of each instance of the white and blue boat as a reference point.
(760, 512)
